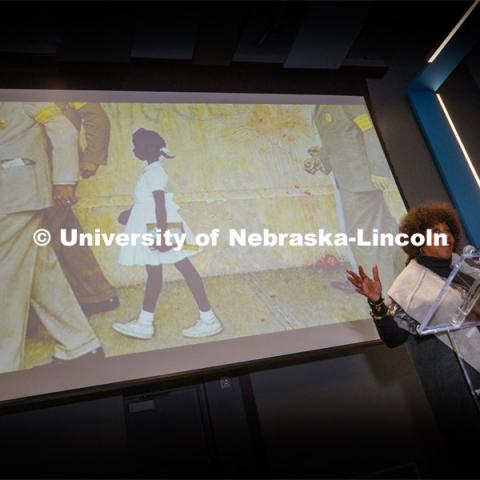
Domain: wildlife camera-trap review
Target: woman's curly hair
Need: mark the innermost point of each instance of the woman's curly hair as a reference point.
(425, 216)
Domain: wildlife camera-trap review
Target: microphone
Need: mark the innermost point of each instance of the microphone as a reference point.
(469, 249)
(472, 254)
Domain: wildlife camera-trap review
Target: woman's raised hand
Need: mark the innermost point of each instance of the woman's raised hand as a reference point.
(369, 287)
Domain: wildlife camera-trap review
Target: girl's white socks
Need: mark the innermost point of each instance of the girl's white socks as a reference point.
(145, 317)
(208, 316)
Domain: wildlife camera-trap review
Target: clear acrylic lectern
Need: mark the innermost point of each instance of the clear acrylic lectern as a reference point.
(456, 306)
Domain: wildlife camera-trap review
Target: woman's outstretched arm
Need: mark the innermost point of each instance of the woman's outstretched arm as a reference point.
(388, 330)
(384, 320)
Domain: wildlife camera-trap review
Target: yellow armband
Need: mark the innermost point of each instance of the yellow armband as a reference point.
(47, 114)
(77, 105)
(363, 122)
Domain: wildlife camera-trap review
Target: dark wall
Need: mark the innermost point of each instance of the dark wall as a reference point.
(345, 415)
(79, 438)
(461, 95)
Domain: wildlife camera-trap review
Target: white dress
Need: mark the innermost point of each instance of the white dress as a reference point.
(143, 219)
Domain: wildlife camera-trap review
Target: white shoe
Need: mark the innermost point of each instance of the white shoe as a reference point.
(203, 328)
(135, 329)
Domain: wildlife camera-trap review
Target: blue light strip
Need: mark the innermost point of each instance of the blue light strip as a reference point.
(451, 163)
(453, 168)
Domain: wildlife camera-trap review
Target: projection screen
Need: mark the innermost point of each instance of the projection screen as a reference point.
(251, 185)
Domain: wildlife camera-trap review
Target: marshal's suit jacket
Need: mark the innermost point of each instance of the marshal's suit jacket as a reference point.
(341, 129)
(26, 173)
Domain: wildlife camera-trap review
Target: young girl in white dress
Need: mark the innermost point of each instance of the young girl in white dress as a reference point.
(155, 208)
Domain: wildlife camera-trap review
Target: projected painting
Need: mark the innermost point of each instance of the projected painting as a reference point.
(281, 168)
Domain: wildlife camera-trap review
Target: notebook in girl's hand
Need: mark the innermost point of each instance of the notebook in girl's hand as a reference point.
(175, 228)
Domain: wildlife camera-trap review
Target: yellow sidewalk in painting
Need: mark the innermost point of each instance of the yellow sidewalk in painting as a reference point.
(247, 304)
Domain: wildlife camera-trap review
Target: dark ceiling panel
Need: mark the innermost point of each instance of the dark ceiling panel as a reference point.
(167, 32)
(34, 42)
(92, 34)
(171, 43)
(395, 27)
(327, 34)
(219, 32)
(35, 33)
(314, 35)
(98, 45)
(270, 32)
